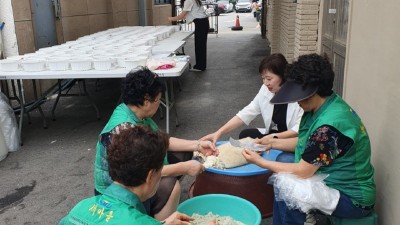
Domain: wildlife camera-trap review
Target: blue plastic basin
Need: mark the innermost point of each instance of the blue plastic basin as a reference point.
(224, 205)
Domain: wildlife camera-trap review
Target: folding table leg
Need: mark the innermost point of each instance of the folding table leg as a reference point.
(38, 105)
(53, 114)
(22, 105)
(20, 98)
(90, 99)
(171, 90)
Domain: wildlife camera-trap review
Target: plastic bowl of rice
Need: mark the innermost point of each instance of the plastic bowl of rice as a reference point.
(227, 207)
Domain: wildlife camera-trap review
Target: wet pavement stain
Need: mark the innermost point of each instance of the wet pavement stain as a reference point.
(16, 197)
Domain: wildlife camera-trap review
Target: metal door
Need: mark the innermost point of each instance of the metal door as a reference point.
(334, 37)
(44, 23)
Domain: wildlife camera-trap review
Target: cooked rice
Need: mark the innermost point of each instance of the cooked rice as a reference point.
(221, 220)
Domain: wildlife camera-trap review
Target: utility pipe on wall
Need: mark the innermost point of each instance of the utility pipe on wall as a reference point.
(142, 12)
(8, 35)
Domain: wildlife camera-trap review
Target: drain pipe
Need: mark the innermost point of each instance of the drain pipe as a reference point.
(9, 38)
(142, 13)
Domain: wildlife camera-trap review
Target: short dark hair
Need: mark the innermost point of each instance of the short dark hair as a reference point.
(314, 70)
(275, 63)
(139, 85)
(133, 152)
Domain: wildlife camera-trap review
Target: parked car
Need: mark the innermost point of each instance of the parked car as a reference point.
(243, 6)
(224, 6)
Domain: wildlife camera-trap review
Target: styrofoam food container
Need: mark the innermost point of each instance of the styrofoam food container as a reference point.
(81, 64)
(102, 63)
(120, 60)
(143, 53)
(135, 62)
(9, 65)
(58, 64)
(143, 48)
(32, 65)
(160, 36)
(151, 41)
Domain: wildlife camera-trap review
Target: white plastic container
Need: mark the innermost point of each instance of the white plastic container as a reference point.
(33, 65)
(9, 65)
(102, 64)
(81, 64)
(133, 63)
(58, 64)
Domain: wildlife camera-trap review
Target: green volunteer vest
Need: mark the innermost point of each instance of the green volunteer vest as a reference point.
(117, 206)
(122, 114)
(351, 174)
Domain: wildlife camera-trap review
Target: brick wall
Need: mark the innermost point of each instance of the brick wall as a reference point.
(293, 27)
(306, 32)
(281, 26)
(273, 25)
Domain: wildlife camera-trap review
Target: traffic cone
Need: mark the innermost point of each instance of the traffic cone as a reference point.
(237, 24)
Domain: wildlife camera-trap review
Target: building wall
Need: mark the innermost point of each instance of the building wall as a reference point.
(84, 17)
(287, 14)
(160, 14)
(306, 27)
(293, 27)
(281, 27)
(273, 25)
(23, 26)
(371, 87)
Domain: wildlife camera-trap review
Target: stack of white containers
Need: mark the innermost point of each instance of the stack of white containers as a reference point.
(122, 47)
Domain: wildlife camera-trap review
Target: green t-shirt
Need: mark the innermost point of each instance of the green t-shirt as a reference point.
(117, 206)
(122, 114)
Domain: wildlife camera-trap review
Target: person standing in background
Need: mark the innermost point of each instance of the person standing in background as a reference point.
(254, 8)
(193, 11)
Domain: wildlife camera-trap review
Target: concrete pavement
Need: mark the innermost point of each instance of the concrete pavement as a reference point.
(53, 170)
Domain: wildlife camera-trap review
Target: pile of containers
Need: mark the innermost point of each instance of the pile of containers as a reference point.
(122, 47)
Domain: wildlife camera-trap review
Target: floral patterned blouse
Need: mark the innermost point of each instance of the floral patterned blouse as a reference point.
(326, 144)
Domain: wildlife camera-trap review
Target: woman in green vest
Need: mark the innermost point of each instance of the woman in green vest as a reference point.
(141, 96)
(135, 158)
(332, 140)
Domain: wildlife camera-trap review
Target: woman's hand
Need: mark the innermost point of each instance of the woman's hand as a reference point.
(211, 137)
(251, 156)
(193, 168)
(178, 218)
(207, 148)
(170, 18)
(266, 140)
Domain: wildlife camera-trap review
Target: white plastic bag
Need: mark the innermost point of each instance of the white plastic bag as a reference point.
(8, 124)
(305, 194)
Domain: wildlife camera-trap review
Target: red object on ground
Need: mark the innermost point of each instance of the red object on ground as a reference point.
(237, 24)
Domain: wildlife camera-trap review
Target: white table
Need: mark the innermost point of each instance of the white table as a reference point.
(166, 46)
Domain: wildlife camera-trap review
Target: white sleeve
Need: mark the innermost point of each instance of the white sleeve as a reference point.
(251, 111)
(295, 118)
(188, 5)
